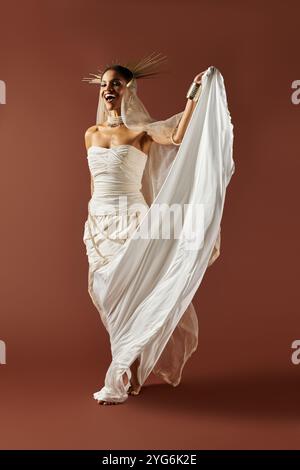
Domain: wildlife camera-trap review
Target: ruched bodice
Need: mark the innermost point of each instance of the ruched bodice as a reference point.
(117, 174)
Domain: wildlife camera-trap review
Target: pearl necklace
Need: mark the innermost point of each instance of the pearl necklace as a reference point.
(114, 121)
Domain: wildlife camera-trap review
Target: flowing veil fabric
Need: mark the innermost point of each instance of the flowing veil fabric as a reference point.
(144, 295)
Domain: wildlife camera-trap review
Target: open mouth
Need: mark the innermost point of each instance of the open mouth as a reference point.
(110, 97)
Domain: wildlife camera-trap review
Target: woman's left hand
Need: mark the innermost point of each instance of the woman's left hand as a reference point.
(198, 77)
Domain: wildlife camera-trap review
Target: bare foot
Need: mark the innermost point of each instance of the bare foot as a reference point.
(102, 402)
(134, 390)
(135, 387)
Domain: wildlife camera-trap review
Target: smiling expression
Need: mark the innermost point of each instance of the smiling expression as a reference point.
(112, 88)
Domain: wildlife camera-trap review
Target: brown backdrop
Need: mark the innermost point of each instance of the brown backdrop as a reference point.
(239, 388)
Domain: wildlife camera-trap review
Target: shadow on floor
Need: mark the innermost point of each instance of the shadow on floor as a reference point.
(258, 397)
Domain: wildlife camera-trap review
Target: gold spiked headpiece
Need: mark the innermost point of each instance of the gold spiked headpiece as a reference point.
(144, 68)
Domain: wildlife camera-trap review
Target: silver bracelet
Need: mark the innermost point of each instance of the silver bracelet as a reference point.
(193, 91)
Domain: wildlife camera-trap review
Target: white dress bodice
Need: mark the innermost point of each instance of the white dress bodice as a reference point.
(117, 174)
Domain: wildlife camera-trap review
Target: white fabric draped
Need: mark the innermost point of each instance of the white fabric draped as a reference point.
(144, 292)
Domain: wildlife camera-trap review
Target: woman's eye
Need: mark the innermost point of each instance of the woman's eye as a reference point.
(114, 83)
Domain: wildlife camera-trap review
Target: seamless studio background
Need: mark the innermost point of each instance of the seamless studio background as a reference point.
(239, 389)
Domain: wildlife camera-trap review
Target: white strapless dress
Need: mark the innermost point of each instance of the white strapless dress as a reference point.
(143, 287)
(115, 211)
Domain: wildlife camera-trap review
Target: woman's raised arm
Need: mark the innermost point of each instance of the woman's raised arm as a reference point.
(179, 132)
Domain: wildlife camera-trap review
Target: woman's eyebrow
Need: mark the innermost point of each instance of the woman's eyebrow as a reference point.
(112, 80)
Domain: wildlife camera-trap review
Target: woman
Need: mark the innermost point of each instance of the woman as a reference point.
(133, 161)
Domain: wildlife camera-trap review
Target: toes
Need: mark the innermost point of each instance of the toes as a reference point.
(102, 402)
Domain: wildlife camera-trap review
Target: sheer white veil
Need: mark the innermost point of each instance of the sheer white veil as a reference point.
(162, 151)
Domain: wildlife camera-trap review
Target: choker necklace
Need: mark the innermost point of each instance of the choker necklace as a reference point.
(114, 121)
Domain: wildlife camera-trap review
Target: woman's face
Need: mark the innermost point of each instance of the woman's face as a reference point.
(112, 88)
